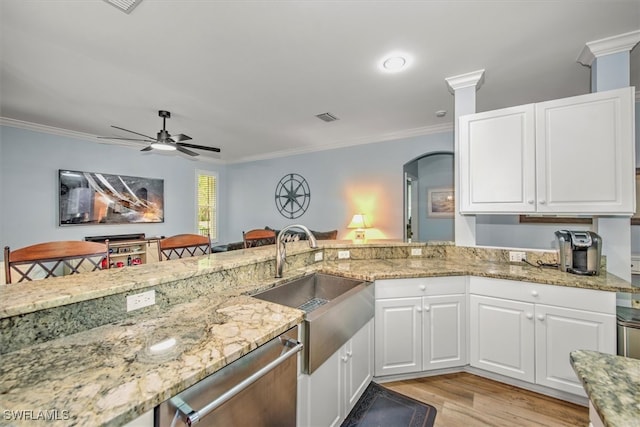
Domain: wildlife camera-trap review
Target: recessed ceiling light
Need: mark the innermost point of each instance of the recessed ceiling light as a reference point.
(395, 62)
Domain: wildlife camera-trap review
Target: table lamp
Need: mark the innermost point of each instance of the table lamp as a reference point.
(359, 222)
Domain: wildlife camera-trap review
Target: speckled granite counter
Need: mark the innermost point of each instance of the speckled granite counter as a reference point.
(105, 377)
(612, 384)
(96, 371)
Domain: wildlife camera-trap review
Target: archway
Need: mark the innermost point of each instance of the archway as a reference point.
(428, 213)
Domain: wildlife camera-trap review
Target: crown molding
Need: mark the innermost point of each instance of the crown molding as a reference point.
(474, 78)
(607, 46)
(5, 121)
(407, 133)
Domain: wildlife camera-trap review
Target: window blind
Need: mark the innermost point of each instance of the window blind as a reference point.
(207, 206)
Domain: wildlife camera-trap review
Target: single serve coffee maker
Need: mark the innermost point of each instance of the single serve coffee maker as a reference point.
(579, 252)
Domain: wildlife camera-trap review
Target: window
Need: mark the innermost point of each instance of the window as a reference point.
(207, 205)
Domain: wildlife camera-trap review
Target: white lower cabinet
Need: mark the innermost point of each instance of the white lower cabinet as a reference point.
(559, 331)
(502, 337)
(327, 395)
(420, 325)
(526, 331)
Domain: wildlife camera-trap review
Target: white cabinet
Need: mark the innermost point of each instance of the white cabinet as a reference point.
(526, 331)
(502, 337)
(420, 325)
(326, 396)
(567, 156)
(497, 161)
(559, 331)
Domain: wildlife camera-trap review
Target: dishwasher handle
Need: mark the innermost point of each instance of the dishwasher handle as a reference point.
(193, 417)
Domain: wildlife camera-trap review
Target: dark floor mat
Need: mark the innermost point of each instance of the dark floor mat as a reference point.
(381, 407)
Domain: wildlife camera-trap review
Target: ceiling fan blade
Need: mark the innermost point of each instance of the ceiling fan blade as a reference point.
(185, 151)
(149, 148)
(180, 137)
(199, 147)
(141, 134)
(126, 139)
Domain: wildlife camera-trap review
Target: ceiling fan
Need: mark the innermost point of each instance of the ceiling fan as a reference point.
(164, 140)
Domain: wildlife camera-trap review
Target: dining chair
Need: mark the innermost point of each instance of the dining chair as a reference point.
(258, 237)
(54, 259)
(183, 245)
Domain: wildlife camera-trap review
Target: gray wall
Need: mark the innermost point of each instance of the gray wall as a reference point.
(365, 178)
(434, 171)
(343, 181)
(29, 163)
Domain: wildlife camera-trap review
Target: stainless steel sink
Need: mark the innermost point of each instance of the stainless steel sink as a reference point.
(335, 309)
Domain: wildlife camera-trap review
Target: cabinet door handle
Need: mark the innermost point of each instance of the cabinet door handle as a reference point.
(349, 353)
(419, 309)
(540, 317)
(427, 308)
(542, 202)
(345, 359)
(530, 201)
(534, 293)
(423, 287)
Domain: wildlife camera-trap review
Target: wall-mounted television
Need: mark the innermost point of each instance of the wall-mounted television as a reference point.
(87, 198)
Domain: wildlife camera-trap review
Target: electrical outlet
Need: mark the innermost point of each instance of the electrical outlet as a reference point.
(416, 251)
(343, 255)
(318, 256)
(144, 299)
(517, 256)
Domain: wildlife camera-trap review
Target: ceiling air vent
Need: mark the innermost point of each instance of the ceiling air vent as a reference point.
(124, 5)
(327, 117)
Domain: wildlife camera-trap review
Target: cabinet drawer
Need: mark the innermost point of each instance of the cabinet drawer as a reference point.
(417, 287)
(576, 298)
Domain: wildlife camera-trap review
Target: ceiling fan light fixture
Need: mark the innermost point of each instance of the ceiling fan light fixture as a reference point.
(165, 146)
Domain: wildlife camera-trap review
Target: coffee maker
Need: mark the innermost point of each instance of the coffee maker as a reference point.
(580, 252)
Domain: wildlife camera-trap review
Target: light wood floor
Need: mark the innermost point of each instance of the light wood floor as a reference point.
(467, 400)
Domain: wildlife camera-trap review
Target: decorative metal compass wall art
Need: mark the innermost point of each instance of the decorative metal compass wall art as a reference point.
(292, 195)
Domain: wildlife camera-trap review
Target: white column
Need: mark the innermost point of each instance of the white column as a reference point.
(609, 60)
(463, 87)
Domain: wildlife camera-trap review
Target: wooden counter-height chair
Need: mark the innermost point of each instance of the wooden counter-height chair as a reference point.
(183, 245)
(258, 237)
(53, 259)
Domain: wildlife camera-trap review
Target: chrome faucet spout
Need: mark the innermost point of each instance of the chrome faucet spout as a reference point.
(281, 250)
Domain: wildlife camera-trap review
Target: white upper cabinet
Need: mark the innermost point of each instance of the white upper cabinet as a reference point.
(567, 156)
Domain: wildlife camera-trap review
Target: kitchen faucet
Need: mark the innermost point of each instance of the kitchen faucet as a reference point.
(281, 250)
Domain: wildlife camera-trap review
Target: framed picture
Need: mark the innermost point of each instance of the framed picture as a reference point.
(88, 198)
(440, 202)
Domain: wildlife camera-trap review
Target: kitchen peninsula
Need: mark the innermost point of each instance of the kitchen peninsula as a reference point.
(69, 344)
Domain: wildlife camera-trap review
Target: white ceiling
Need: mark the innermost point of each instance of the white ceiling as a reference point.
(250, 76)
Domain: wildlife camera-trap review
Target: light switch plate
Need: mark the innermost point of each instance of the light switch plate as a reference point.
(416, 251)
(318, 256)
(144, 299)
(343, 255)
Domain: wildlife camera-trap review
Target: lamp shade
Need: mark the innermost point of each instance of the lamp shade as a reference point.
(358, 221)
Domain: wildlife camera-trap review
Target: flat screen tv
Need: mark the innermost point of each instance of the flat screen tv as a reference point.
(99, 198)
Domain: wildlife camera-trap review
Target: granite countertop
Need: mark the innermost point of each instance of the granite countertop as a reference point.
(429, 267)
(612, 384)
(104, 376)
(32, 296)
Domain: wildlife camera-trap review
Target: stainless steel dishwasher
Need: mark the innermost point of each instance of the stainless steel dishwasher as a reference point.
(259, 389)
